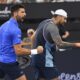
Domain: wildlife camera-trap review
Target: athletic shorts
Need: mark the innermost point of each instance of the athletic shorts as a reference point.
(11, 69)
(47, 73)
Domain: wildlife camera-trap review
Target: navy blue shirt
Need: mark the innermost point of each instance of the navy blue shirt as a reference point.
(10, 35)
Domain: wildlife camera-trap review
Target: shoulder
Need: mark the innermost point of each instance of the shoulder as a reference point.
(52, 26)
(13, 30)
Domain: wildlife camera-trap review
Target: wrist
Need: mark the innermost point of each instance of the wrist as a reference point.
(34, 51)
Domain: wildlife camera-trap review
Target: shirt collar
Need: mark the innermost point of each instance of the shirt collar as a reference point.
(14, 21)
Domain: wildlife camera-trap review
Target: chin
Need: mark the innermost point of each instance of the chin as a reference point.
(63, 23)
(22, 20)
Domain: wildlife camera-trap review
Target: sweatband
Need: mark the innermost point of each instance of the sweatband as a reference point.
(34, 51)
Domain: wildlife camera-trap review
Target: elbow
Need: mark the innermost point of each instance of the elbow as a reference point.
(60, 44)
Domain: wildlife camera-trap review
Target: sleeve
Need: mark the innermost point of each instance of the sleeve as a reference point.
(16, 37)
(53, 30)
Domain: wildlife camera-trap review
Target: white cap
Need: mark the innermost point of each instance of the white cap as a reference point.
(59, 12)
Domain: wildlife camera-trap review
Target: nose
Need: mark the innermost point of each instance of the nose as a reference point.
(24, 14)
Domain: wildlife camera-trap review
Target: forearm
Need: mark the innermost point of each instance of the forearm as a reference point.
(58, 41)
(25, 43)
(66, 44)
(23, 51)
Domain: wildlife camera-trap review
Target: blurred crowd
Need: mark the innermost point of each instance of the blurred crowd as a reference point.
(33, 1)
(10, 1)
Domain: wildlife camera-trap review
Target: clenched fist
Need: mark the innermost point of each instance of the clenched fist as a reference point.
(40, 49)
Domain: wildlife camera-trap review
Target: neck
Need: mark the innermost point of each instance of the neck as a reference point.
(14, 17)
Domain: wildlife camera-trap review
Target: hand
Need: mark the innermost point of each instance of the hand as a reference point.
(40, 49)
(77, 44)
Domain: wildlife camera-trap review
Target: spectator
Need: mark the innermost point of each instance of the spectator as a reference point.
(40, 1)
(3, 1)
(69, 0)
(57, 1)
(27, 39)
(14, 1)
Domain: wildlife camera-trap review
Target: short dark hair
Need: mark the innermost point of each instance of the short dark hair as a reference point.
(16, 7)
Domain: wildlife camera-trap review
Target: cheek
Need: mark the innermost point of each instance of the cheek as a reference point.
(63, 20)
(19, 14)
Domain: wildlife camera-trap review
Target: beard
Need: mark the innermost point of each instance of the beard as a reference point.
(61, 23)
(20, 19)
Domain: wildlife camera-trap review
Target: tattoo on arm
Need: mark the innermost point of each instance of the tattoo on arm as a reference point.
(58, 41)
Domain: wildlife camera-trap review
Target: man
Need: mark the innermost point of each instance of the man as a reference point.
(47, 35)
(10, 44)
(62, 31)
(27, 39)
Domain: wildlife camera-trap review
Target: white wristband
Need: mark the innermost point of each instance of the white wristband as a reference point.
(34, 51)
